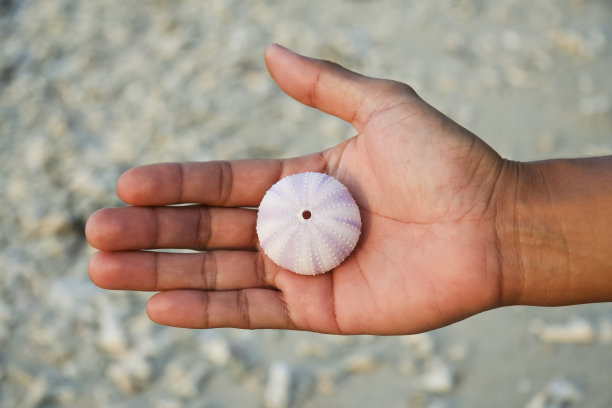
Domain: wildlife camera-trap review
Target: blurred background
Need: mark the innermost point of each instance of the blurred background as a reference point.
(91, 88)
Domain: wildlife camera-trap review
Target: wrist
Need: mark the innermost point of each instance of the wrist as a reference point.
(530, 251)
(554, 228)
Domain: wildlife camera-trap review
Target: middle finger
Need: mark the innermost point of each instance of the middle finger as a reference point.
(193, 227)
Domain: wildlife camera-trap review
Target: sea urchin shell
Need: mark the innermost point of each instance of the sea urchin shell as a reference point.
(308, 223)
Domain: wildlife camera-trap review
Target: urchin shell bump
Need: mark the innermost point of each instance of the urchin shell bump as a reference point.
(308, 223)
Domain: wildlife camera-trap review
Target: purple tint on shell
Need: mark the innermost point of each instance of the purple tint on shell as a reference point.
(322, 182)
(352, 223)
(308, 245)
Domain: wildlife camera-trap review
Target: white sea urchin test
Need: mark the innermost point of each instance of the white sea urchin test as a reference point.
(308, 223)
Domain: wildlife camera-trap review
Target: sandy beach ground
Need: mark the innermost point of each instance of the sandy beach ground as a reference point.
(91, 88)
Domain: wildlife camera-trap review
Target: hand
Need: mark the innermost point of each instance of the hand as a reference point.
(428, 190)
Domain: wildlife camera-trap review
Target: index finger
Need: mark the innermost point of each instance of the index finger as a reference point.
(238, 183)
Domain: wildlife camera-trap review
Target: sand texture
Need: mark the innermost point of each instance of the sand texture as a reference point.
(91, 88)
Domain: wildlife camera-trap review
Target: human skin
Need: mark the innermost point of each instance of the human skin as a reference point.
(450, 229)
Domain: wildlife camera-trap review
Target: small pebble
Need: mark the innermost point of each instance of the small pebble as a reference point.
(131, 374)
(277, 393)
(438, 377)
(183, 377)
(66, 395)
(406, 367)
(309, 348)
(360, 363)
(422, 343)
(326, 381)
(111, 336)
(457, 352)
(576, 331)
(546, 143)
(217, 350)
(559, 393)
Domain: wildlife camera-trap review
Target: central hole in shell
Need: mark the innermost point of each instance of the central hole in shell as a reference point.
(306, 214)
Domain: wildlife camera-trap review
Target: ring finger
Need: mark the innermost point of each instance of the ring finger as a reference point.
(160, 271)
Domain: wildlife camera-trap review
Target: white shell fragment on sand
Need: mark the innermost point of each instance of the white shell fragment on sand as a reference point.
(278, 389)
(308, 223)
(576, 330)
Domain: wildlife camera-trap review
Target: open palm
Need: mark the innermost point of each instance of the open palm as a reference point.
(428, 191)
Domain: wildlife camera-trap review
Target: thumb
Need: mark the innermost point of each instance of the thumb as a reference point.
(328, 86)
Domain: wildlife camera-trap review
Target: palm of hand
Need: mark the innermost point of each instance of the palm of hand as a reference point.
(427, 256)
